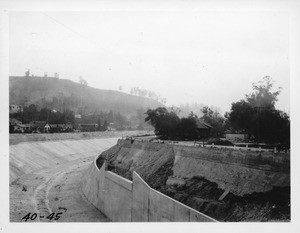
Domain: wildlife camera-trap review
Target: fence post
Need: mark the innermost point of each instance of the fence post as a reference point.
(275, 149)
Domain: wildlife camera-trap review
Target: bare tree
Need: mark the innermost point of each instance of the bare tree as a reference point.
(82, 81)
(27, 73)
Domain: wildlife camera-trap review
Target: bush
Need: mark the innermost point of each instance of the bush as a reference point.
(219, 142)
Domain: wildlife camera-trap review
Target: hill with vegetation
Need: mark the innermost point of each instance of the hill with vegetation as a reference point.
(62, 94)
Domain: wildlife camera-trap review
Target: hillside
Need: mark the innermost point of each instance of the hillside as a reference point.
(63, 94)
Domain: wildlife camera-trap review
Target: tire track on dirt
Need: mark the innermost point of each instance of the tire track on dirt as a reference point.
(40, 197)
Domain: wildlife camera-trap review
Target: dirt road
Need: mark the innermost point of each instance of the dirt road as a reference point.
(54, 191)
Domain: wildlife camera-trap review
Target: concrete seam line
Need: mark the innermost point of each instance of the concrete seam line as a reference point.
(131, 210)
(149, 205)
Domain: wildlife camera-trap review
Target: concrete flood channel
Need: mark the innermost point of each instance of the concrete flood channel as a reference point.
(224, 184)
(44, 180)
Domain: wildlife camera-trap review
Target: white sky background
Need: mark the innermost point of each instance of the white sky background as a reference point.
(207, 57)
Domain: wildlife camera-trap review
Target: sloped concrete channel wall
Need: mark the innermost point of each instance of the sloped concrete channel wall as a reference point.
(123, 200)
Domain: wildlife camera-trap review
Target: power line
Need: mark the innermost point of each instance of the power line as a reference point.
(70, 29)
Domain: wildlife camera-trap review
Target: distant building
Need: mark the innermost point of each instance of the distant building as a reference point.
(56, 128)
(203, 129)
(13, 121)
(16, 126)
(47, 128)
(236, 137)
(88, 127)
(15, 108)
(40, 126)
(22, 128)
(78, 116)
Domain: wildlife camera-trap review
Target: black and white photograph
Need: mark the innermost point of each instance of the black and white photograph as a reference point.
(156, 113)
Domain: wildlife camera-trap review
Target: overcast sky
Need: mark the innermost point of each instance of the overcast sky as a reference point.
(186, 56)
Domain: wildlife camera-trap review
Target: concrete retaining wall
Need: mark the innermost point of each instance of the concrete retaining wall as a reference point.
(123, 200)
(18, 138)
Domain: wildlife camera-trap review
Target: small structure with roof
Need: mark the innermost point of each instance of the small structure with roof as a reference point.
(88, 127)
(13, 108)
(40, 126)
(203, 128)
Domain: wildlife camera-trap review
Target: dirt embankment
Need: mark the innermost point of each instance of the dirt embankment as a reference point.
(225, 184)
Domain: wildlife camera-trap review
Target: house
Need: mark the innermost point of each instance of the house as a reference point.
(78, 116)
(15, 108)
(13, 122)
(22, 128)
(68, 127)
(16, 126)
(55, 128)
(40, 126)
(203, 128)
(47, 128)
(88, 127)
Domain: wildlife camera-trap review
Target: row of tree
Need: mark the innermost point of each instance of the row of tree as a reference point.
(168, 125)
(256, 116)
(31, 113)
(102, 119)
(146, 93)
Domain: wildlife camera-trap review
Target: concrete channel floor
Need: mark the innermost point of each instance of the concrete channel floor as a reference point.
(49, 180)
(53, 190)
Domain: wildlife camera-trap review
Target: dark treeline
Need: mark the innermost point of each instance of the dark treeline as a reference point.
(102, 119)
(256, 116)
(148, 94)
(31, 113)
(169, 125)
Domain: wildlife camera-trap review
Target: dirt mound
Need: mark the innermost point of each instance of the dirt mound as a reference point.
(224, 184)
(204, 196)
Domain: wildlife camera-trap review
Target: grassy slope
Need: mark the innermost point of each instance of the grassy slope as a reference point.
(61, 94)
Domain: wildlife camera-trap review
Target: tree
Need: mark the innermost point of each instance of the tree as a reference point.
(241, 117)
(44, 114)
(215, 119)
(105, 126)
(164, 122)
(11, 128)
(30, 113)
(82, 81)
(263, 97)
(258, 117)
(110, 116)
(120, 120)
(146, 93)
(68, 116)
(27, 73)
(99, 124)
(187, 128)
